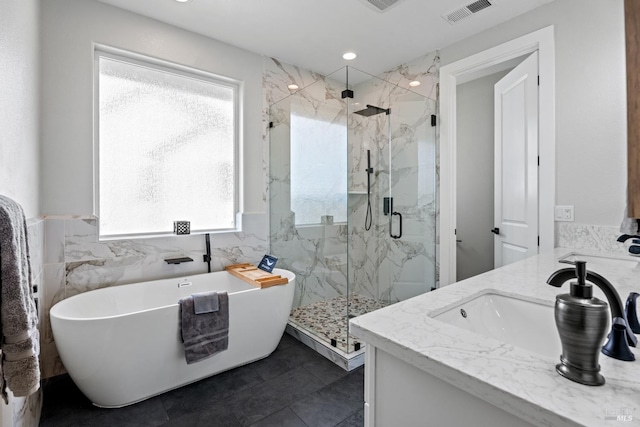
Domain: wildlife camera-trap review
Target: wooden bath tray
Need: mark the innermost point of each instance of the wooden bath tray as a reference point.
(253, 275)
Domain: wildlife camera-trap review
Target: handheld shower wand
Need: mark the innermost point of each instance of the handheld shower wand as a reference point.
(369, 217)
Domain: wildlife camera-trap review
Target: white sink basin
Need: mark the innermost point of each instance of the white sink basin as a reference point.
(518, 322)
(603, 260)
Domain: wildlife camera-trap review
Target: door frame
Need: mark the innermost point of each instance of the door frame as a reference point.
(467, 69)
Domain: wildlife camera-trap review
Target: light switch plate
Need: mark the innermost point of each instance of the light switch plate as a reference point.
(564, 213)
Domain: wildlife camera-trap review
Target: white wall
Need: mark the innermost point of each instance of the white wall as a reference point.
(474, 179)
(19, 106)
(590, 100)
(69, 27)
(19, 150)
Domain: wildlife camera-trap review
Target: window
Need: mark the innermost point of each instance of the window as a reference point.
(318, 166)
(167, 148)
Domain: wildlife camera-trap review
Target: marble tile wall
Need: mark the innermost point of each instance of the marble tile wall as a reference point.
(75, 262)
(599, 238)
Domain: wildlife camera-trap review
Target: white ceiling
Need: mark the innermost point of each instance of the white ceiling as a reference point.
(314, 34)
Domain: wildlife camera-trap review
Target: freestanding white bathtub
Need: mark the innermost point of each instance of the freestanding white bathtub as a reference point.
(122, 344)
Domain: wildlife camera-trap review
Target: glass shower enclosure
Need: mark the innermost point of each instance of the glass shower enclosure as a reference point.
(352, 193)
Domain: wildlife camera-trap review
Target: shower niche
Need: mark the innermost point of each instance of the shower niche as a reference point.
(352, 193)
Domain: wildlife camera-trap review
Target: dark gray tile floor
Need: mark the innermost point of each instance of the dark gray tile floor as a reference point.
(293, 387)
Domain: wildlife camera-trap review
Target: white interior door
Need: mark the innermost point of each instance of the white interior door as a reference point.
(516, 164)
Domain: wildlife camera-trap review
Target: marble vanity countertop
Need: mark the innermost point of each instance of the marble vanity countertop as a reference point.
(519, 381)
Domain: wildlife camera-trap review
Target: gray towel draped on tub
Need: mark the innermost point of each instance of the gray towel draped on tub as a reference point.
(204, 325)
(20, 367)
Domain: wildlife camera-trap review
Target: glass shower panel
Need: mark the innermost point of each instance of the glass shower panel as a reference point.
(308, 203)
(368, 132)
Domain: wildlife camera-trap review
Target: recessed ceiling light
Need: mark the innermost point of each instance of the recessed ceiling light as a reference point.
(293, 87)
(414, 83)
(349, 56)
(183, 1)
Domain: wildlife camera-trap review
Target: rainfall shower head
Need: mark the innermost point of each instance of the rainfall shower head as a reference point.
(372, 110)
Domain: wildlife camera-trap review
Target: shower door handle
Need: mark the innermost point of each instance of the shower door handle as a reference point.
(399, 235)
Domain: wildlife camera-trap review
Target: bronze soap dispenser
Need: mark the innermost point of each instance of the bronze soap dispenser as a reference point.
(582, 321)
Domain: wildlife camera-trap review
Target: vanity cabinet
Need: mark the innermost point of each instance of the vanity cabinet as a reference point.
(632, 30)
(400, 394)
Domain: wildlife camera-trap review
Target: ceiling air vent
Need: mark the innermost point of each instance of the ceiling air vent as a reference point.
(382, 5)
(463, 12)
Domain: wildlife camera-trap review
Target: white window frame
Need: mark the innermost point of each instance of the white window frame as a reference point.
(105, 51)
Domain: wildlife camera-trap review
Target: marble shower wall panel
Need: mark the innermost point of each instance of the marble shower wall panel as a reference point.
(407, 269)
(280, 169)
(363, 254)
(277, 76)
(315, 254)
(425, 69)
(366, 133)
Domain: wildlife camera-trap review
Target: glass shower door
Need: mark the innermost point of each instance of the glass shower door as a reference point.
(394, 259)
(407, 264)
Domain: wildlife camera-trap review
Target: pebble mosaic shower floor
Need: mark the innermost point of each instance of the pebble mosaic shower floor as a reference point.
(328, 319)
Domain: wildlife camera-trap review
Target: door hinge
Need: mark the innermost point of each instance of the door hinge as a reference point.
(270, 125)
(538, 160)
(538, 80)
(538, 240)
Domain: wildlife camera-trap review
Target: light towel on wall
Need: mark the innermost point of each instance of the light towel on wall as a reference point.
(18, 313)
